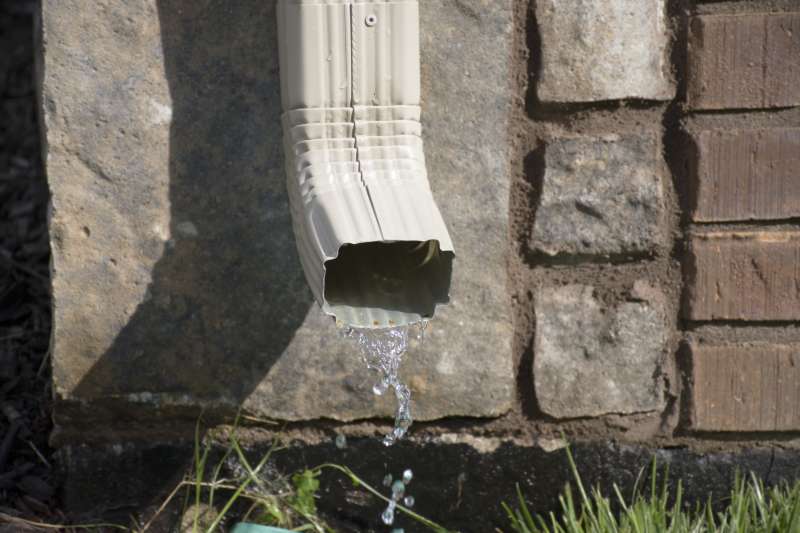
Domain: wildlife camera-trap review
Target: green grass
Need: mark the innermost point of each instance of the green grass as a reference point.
(232, 489)
(752, 508)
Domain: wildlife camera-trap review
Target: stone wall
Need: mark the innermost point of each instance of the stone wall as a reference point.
(657, 271)
(621, 179)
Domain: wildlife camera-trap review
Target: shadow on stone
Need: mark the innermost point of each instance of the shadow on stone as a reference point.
(228, 293)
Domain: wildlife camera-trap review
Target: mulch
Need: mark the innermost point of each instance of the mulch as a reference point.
(28, 480)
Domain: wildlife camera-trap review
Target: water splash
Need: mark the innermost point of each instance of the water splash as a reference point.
(398, 491)
(382, 350)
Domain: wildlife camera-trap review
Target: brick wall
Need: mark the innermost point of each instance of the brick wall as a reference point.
(658, 272)
(742, 268)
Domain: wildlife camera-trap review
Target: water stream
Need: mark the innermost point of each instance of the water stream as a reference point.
(382, 350)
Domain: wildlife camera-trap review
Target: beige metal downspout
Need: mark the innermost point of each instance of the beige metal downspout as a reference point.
(372, 242)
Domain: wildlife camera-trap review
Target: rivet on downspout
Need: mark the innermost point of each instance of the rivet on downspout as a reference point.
(372, 242)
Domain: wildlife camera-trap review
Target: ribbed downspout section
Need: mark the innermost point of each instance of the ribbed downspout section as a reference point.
(372, 242)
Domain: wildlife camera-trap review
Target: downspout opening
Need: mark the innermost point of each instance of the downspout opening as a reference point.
(383, 284)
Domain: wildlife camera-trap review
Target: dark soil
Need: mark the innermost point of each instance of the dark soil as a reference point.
(27, 480)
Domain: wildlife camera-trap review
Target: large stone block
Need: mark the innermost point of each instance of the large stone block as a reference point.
(594, 50)
(599, 196)
(175, 276)
(590, 360)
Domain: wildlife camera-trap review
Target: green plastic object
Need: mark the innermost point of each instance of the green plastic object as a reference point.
(243, 527)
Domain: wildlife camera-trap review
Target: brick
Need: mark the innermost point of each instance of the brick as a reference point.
(596, 50)
(746, 175)
(744, 276)
(600, 196)
(744, 61)
(745, 388)
(591, 360)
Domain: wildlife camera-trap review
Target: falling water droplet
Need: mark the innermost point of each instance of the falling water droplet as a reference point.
(387, 517)
(379, 388)
(398, 489)
(341, 442)
(387, 480)
(398, 530)
(408, 501)
(408, 475)
(420, 331)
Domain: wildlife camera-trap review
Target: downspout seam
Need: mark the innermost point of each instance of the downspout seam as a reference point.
(354, 72)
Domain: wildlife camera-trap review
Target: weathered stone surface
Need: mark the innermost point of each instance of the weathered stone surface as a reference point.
(596, 50)
(753, 387)
(457, 482)
(748, 174)
(743, 275)
(176, 279)
(591, 361)
(599, 196)
(744, 61)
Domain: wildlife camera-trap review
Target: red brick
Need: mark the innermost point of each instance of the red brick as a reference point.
(744, 276)
(745, 387)
(746, 175)
(744, 61)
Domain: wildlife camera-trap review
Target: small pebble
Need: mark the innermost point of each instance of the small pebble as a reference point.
(196, 517)
(187, 228)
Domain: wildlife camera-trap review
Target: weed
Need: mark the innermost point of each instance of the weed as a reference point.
(752, 509)
(257, 493)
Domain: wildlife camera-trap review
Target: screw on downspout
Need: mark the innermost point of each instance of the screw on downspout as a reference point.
(371, 20)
